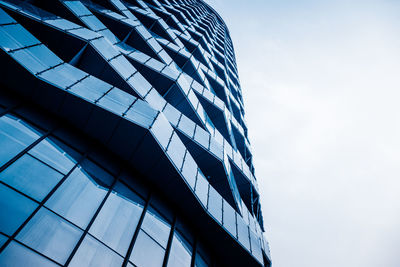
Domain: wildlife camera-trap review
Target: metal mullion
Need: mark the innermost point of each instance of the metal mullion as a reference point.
(41, 204)
(194, 252)
(135, 235)
(26, 149)
(8, 110)
(171, 236)
(37, 252)
(85, 232)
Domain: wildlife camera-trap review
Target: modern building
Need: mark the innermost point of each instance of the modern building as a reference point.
(122, 137)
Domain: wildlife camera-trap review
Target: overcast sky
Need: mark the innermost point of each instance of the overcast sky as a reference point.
(321, 84)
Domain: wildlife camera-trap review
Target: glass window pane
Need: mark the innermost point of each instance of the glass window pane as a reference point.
(93, 253)
(16, 255)
(31, 176)
(146, 252)
(200, 262)
(15, 135)
(215, 204)
(142, 113)
(156, 226)
(181, 252)
(14, 209)
(15, 36)
(78, 198)
(3, 239)
(49, 152)
(117, 220)
(50, 235)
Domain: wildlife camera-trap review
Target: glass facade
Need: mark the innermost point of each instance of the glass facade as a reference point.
(122, 138)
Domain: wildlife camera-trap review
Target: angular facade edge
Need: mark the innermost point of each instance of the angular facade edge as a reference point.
(123, 139)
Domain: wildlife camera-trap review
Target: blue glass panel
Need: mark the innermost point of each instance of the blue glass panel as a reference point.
(63, 75)
(101, 177)
(15, 135)
(116, 101)
(139, 83)
(122, 66)
(187, 126)
(14, 209)
(84, 33)
(36, 58)
(181, 252)
(202, 137)
(78, 198)
(109, 36)
(162, 130)
(141, 113)
(229, 218)
(172, 114)
(200, 261)
(201, 188)
(92, 253)
(15, 36)
(176, 150)
(146, 252)
(139, 56)
(50, 235)
(90, 88)
(243, 232)
(16, 255)
(3, 238)
(156, 226)
(49, 152)
(189, 170)
(155, 64)
(93, 23)
(105, 48)
(77, 7)
(5, 18)
(215, 204)
(31, 176)
(118, 218)
(62, 24)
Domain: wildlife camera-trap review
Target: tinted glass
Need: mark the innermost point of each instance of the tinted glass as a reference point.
(78, 198)
(92, 253)
(49, 152)
(181, 252)
(16, 255)
(31, 176)
(117, 220)
(15, 135)
(14, 209)
(147, 252)
(50, 235)
(156, 226)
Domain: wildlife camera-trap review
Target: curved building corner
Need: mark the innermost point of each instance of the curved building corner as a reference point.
(122, 137)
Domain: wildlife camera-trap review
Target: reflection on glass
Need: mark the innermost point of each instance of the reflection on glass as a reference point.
(93, 253)
(53, 155)
(15, 135)
(156, 226)
(117, 220)
(31, 176)
(14, 209)
(3, 239)
(78, 198)
(50, 235)
(181, 252)
(147, 252)
(200, 261)
(16, 255)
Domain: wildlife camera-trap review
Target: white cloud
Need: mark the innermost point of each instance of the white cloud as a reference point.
(324, 78)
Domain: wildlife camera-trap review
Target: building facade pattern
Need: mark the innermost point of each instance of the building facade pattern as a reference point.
(122, 137)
